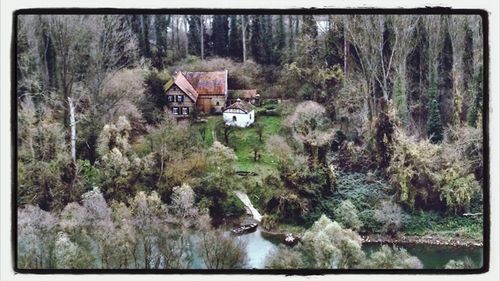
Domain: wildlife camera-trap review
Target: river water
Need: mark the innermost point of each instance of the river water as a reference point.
(259, 245)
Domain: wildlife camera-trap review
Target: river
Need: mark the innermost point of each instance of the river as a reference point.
(260, 245)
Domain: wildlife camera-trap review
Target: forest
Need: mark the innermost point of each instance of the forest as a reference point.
(367, 142)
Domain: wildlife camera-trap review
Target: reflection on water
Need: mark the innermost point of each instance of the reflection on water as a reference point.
(437, 256)
(257, 248)
(259, 245)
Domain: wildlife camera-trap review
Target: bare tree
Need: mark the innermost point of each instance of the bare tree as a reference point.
(244, 25)
(220, 251)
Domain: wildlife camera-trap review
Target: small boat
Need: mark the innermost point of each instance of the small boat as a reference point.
(291, 240)
(247, 228)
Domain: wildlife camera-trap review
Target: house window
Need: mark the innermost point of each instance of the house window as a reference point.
(175, 110)
(250, 116)
(234, 118)
(180, 98)
(170, 98)
(185, 110)
(217, 103)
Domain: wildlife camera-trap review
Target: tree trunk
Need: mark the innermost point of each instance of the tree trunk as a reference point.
(345, 49)
(201, 36)
(243, 36)
(72, 125)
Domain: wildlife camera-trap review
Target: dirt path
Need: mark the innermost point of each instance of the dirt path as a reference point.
(248, 205)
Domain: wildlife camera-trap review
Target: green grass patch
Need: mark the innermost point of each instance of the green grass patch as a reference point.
(245, 140)
(206, 130)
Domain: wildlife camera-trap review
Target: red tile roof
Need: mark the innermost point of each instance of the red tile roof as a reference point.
(181, 82)
(208, 83)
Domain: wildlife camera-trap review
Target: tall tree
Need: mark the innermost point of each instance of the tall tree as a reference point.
(256, 39)
(220, 35)
(267, 43)
(279, 41)
(334, 42)
(475, 110)
(445, 76)
(468, 71)
(309, 35)
(417, 69)
(194, 39)
(235, 45)
(244, 25)
(434, 123)
(139, 24)
(161, 25)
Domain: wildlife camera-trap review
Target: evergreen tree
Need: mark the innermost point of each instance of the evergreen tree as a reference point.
(309, 27)
(468, 69)
(434, 123)
(279, 41)
(194, 35)
(474, 110)
(161, 29)
(220, 34)
(309, 45)
(445, 81)
(256, 39)
(334, 41)
(235, 45)
(267, 44)
(146, 46)
(417, 68)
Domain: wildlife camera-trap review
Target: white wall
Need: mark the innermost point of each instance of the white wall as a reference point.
(242, 119)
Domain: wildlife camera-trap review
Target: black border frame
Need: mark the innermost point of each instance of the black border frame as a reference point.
(296, 11)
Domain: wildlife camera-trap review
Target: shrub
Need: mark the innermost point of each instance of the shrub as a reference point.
(413, 170)
(457, 190)
(392, 258)
(232, 206)
(327, 245)
(389, 214)
(347, 215)
(466, 263)
(284, 258)
(269, 222)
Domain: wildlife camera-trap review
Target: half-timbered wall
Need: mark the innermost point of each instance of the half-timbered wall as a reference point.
(179, 104)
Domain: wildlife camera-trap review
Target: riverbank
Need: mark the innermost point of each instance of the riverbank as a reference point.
(426, 240)
(401, 239)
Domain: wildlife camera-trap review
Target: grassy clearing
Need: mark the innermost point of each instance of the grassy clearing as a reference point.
(207, 129)
(243, 141)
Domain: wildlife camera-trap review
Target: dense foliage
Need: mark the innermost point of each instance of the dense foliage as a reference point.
(374, 121)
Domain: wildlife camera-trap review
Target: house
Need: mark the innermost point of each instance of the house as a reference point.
(202, 91)
(240, 113)
(181, 96)
(211, 88)
(250, 96)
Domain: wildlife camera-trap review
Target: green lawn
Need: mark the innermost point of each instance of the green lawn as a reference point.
(243, 141)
